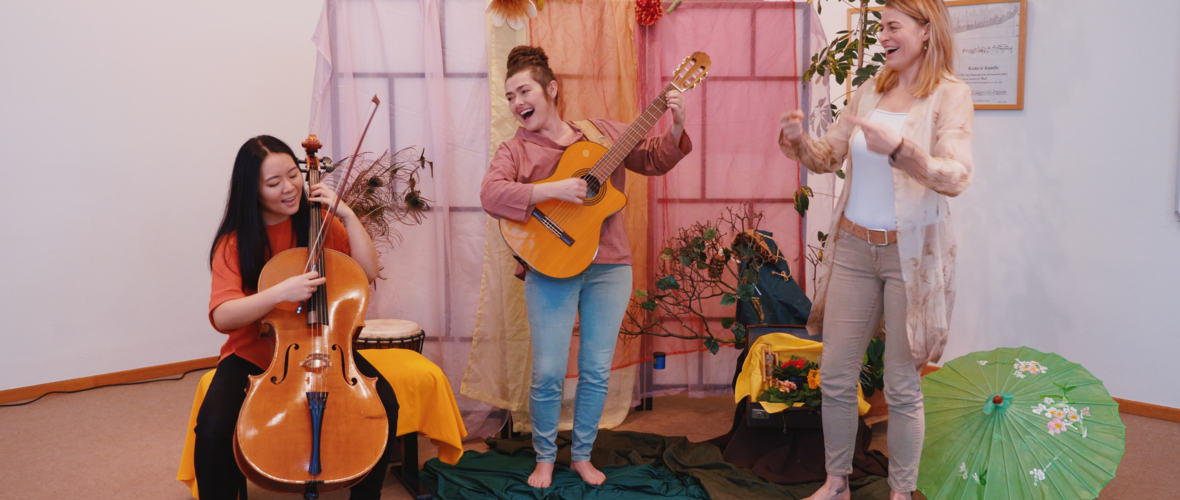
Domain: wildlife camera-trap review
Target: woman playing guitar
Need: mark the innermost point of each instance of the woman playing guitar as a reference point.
(598, 295)
(267, 212)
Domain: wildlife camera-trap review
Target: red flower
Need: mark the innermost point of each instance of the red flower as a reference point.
(797, 363)
(647, 12)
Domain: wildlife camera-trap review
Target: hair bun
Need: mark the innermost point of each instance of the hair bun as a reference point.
(525, 55)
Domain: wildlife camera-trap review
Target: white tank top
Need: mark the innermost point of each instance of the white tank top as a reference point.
(870, 198)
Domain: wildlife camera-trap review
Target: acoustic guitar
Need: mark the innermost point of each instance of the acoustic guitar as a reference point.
(560, 239)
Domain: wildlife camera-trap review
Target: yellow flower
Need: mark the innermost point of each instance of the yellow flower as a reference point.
(813, 379)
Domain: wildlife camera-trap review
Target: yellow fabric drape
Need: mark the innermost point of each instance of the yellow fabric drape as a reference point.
(591, 48)
(499, 367)
(427, 406)
(751, 380)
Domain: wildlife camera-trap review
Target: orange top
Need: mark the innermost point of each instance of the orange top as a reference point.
(227, 286)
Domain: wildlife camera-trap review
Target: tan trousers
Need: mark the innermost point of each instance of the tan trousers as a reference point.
(866, 282)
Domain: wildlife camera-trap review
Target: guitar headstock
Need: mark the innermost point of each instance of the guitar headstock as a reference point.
(691, 71)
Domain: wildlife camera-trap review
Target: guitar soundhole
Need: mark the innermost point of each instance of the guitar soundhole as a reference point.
(593, 189)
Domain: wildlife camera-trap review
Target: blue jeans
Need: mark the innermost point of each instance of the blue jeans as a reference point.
(599, 296)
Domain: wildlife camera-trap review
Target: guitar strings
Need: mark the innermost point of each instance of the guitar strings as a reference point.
(603, 169)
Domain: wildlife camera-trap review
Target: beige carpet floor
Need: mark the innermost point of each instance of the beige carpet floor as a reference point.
(125, 443)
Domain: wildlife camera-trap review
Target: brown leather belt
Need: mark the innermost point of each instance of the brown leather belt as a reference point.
(874, 236)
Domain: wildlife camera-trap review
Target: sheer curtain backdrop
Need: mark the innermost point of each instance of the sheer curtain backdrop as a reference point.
(426, 61)
(759, 52)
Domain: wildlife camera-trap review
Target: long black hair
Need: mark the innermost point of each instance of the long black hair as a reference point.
(243, 211)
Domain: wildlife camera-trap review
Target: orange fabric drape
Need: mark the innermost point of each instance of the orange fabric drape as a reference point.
(591, 48)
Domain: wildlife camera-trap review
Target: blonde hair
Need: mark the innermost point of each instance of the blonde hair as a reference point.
(938, 57)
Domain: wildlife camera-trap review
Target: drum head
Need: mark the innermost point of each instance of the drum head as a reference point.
(389, 329)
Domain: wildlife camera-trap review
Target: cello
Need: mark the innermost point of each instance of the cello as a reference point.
(312, 422)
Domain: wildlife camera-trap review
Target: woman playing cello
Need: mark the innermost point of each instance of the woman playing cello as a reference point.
(267, 212)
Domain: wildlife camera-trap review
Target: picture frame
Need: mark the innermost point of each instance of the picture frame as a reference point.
(990, 40)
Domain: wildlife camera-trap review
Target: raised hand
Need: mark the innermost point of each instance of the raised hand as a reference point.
(678, 106)
(792, 125)
(321, 193)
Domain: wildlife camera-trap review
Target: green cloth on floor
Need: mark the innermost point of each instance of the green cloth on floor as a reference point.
(480, 476)
(687, 462)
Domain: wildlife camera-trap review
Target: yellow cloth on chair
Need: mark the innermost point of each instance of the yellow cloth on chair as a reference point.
(427, 406)
(749, 382)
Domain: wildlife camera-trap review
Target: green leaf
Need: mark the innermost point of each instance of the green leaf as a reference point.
(710, 233)
(668, 283)
(641, 293)
(840, 173)
(821, 236)
(726, 322)
(685, 260)
(744, 292)
(666, 254)
(728, 299)
(649, 305)
(739, 332)
(801, 202)
(712, 345)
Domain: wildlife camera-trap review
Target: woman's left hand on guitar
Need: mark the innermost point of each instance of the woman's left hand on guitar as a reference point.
(321, 193)
(678, 107)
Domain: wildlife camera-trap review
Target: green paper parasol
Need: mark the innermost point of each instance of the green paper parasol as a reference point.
(1014, 424)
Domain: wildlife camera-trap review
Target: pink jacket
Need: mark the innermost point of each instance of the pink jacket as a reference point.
(530, 157)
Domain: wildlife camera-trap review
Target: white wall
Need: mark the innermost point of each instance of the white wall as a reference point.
(1068, 238)
(119, 123)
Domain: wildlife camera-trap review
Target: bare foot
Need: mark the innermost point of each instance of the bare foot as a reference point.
(589, 474)
(542, 476)
(835, 488)
(893, 495)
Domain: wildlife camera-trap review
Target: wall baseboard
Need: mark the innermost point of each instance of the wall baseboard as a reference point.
(23, 393)
(77, 384)
(1125, 405)
(1148, 410)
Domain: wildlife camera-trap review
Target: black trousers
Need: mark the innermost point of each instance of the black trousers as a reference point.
(218, 476)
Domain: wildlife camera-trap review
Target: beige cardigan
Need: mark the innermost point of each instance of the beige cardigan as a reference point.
(934, 162)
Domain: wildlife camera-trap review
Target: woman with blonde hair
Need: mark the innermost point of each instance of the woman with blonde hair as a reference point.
(904, 143)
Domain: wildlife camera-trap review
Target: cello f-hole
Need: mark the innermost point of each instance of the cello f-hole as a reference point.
(286, 363)
(348, 380)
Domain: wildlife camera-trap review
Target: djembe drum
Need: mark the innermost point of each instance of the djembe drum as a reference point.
(391, 334)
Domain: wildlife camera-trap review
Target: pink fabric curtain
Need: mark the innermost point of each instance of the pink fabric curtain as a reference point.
(759, 50)
(426, 60)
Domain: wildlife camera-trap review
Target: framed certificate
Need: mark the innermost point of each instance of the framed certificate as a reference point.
(989, 45)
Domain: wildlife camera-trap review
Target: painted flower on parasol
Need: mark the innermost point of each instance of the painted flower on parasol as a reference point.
(1016, 424)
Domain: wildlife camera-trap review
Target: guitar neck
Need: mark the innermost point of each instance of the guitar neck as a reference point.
(635, 133)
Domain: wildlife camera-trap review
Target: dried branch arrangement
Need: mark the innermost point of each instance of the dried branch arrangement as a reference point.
(699, 265)
(384, 192)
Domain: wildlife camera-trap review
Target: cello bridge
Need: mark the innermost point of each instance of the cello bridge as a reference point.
(318, 361)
